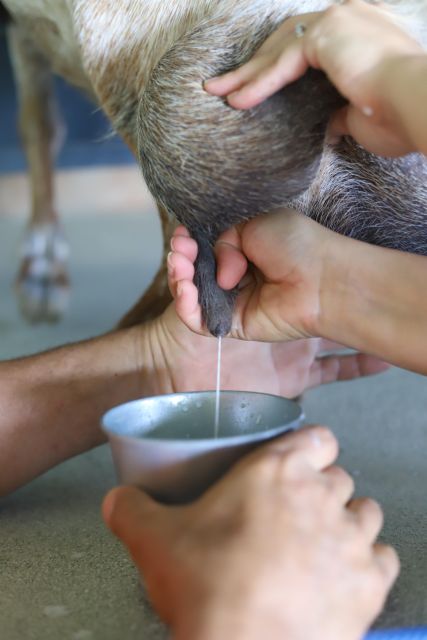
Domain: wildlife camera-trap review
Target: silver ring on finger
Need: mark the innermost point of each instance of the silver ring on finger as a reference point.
(300, 30)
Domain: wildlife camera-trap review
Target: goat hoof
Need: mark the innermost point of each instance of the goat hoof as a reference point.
(42, 285)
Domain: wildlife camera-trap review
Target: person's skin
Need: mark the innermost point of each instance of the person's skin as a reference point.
(51, 403)
(374, 64)
(276, 549)
(305, 280)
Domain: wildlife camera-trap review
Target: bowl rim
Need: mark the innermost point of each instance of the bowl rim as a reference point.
(202, 443)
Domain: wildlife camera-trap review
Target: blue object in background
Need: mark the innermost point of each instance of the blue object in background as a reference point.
(418, 633)
(87, 127)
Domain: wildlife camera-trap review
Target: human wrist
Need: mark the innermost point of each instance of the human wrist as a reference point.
(371, 297)
(233, 607)
(161, 343)
(148, 359)
(358, 289)
(339, 290)
(217, 620)
(326, 251)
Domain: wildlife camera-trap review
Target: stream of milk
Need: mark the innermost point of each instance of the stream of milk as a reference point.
(218, 389)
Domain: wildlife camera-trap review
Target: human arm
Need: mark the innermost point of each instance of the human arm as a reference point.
(377, 303)
(51, 403)
(273, 550)
(306, 280)
(366, 54)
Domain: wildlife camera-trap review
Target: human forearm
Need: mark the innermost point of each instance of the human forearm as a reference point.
(372, 299)
(51, 404)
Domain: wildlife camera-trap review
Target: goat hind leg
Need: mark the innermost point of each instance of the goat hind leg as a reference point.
(157, 297)
(42, 283)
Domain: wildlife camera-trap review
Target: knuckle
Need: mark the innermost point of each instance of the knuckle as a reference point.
(265, 466)
(395, 562)
(290, 455)
(350, 538)
(391, 560)
(341, 475)
(380, 576)
(350, 483)
(289, 464)
(288, 467)
(372, 507)
(322, 435)
(370, 511)
(340, 482)
(309, 492)
(377, 588)
(334, 12)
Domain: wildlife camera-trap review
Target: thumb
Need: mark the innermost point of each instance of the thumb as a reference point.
(129, 512)
(231, 265)
(369, 132)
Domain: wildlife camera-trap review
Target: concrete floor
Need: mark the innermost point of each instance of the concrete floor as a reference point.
(62, 576)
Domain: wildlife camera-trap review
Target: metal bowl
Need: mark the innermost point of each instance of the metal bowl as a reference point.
(167, 445)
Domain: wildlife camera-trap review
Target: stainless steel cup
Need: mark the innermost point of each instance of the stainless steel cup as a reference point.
(166, 444)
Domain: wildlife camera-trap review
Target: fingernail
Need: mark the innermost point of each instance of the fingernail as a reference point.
(171, 268)
(179, 290)
(214, 79)
(316, 440)
(206, 83)
(173, 244)
(321, 436)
